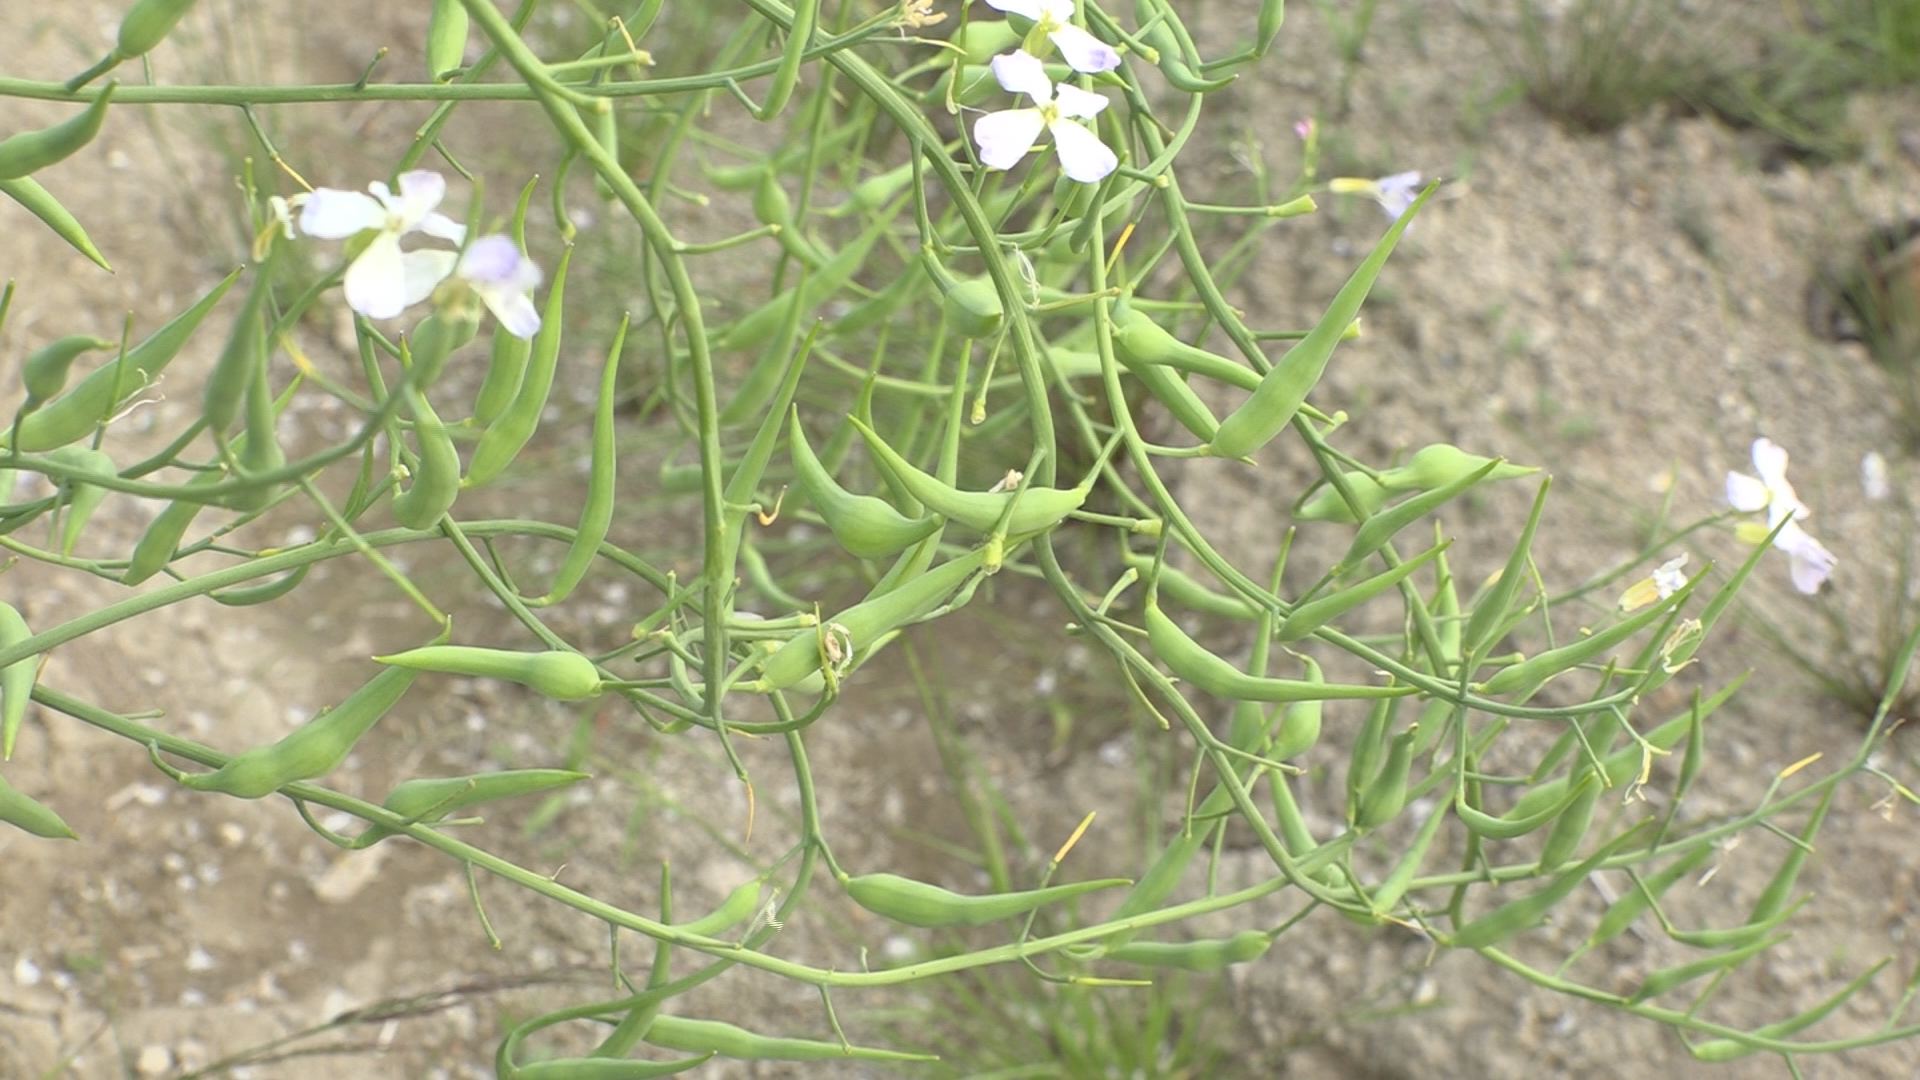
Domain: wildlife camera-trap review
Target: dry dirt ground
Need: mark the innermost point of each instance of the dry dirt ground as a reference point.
(1565, 310)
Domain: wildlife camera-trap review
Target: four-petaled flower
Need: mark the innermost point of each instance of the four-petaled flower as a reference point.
(1053, 19)
(1006, 136)
(1666, 579)
(1812, 563)
(382, 281)
(1394, 193)
(500, 276)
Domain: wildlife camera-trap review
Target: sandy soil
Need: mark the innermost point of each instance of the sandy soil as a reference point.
(1621, 306)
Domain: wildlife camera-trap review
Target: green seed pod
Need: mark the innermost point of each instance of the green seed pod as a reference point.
(1038, 509)
(1395, 884)
(40, 202)
(739, 906)
(917, 903)
(505, 368)
(1172, 391)
(1315, 614)
(560, 674)
(596, 513)
(1635, 901)
(1570, 827)
(22, 812)
(980, 40)
(1731, 937)
(146, 24)
(239, 361)
(865, 622)
(503, 439)
(1207, 954)
(1386, 795)
(1678, 975)
(1185, 658)
(770, 203)
(1378, 529)
(1439, 464)
(972, 307)
(428, 800)
(1717, 1050)
(28, 152)
(1267, 27)
(1369, 744)
(74, 415)
(162, 538)
(260, 451)
(1525, 913)
(314, 749)
(1491, 612)
(806, 15)
(266, 592)
(16, 679)
(867, 527)
(1173, 63)
(446, 38)
(1515, 824)
(599, 1068)
(702, 1036)
(877, 191)
(1284, 389)
(1773, 899)
(1187, 591)
(1523, 678)
(1299, 729)
(1325, 504)
(45, 372)
(759, 326)
(436, 482)
(1140, 342)
(85, 498)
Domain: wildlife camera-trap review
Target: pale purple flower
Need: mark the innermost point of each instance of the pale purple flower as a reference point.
(500, 276)
(1004, 137)
(1812, 563)
(1395, 193)
(382, 280)
(1054, 19)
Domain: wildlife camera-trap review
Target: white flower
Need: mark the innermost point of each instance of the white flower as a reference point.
(504, 280)
(1054, 19)
(383, 280)
(1873, 476)
(1665, 580)
(1812, 563)
(1005, 137)
(1394, 193)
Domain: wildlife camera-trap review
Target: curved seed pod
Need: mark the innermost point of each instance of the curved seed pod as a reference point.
(73, 415)
(1170, 390)
(1440, 464)
(427, 800)
(436, 482)
(1570, 827)
(1530, 674)
(242, 357)
(1670, 978)
(40, 202)
(1378, 529)
(1515, 824)
(1139, 342)
(503, 439)
(1491, 612)
(16, 679)
(1734, 1049)
(1325, 504)
(1635, 901)
(972, 306)
(314, 749)
(739, 906)
(1173, 63)
(757, 327)
(1773, 899)
(1187, 591)
(1525, 913)
(23, 812)
(156, 546)
(1299, 729)
(1315, 614)
(266, 592)
(701, 1036)
(446, 38)
(1395, 885)
(260, 451)
(506, 366)
(598, 1068)
(1369, 744)
(45, 372)
(28, 152)
(806, 14)
(866, 621)
(980, 40)
(83, 498)
(1206, 954)
(1386, 795)
(877, 191)
(1185, 658)
(866, 526)
(1284, 389)
(1730, 937)
(1039, 508)
(146, 24)
(560, 674)
(596, 513)
(916, 903)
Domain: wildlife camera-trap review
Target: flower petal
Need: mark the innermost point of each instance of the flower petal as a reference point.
(1083, 156)
(1770, 461)
(331, 214)
(420, 191)
(513, 308)
(1020, 72)
(1396, 193)
(1079, 104)
(423, 270)
(1004, 137)
(1746, 494)
(1811, 564)
(1084, 52)
(376, 283)
(443, 227)
(1030, 9)
(495, 260)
